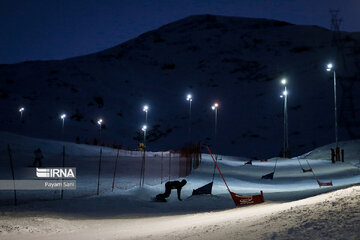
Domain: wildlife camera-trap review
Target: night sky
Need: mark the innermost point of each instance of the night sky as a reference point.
(49, 29)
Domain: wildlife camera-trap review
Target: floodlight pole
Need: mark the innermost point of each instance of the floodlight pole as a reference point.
(286, 135)
(335, 111)
(21, 110)
(215, 108)
(146, 109)
(215, 130)
(330, 68)
(144, 129)
(63, 116)
(190, 117)
(142, 172)
(63, 123)
(100, 122)
(189, 98)
(100, 133)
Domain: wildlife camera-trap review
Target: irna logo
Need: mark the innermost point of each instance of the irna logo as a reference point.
(55, 172)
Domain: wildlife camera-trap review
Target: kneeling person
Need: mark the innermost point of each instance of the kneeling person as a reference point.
(169, 186)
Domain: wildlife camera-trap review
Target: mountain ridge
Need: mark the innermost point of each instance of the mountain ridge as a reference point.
(217, 59)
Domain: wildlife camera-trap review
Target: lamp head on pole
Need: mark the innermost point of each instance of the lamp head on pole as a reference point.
(329, 67)
(285, 93)
(21, 109)
(189, 98)
(63, 116)
(283, 81)
(146, 108)
(100, 122)
(215, 106)
(144, 127)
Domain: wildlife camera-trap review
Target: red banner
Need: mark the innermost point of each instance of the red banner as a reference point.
(239, 200)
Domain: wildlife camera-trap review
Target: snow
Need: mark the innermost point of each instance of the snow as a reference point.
(334, 215)
(296, 207)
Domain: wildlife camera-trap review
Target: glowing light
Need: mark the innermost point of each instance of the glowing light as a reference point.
(144, 128)
(21, 109)
(189, 97)
(215, 106)
(281, 96)
(329, 67)
(146, 108)
(100, 121)
(283, 81)
(63, 116)
(285, 93)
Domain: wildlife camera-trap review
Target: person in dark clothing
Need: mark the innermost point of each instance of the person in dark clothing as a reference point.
(38, 157)
(169, 186)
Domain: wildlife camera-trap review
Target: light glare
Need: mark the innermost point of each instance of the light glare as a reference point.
(283, 82)
(146, 108)
(144, 128)
(215, 106)
(285, 93)
(63, 116)
(21, 109)
(100, 121)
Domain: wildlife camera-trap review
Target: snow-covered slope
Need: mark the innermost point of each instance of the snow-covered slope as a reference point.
(235, 61)
(289, 181)
(125, 214)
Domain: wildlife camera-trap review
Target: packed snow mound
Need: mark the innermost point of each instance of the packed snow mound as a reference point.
(236, 61)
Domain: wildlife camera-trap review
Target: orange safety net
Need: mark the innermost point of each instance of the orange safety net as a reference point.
(238, 199)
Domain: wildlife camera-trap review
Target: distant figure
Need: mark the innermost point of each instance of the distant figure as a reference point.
(38, 157)
(171, 185)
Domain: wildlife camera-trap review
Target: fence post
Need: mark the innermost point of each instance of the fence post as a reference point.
(142, 171)
(117, 157)
(162, 168)
(63, 165)
(169, 166)
(98, 184)
(143, 175)
(179, 167)
(12, 173)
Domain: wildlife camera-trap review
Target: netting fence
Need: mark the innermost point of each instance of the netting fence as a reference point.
(99, 170)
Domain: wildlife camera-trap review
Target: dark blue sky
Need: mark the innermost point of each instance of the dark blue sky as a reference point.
(49, 29)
